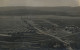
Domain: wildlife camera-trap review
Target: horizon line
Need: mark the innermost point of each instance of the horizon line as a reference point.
(39, 6)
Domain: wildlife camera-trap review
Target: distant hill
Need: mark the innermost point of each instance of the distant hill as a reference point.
(22, 10)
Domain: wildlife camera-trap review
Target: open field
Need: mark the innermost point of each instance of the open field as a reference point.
(39, 31)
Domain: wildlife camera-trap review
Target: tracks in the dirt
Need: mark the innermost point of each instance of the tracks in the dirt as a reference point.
(43, 32)
(31, 22)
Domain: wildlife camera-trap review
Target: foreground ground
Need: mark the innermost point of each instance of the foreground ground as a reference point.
(39, 32)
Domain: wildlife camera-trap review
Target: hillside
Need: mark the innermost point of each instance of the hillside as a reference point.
(22, 10)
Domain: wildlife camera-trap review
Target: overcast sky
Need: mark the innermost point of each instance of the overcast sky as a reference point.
(39, 3)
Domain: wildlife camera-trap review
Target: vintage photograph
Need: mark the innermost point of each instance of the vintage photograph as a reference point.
(39, 24)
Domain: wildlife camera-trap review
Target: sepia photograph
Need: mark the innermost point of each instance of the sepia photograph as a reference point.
(39, 24)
